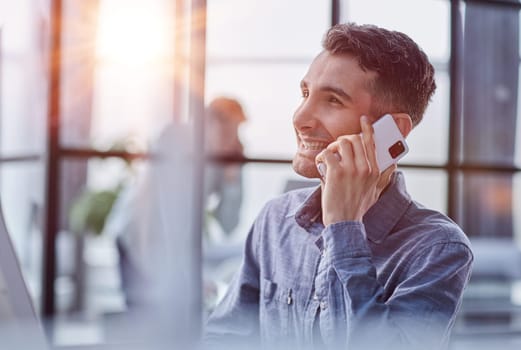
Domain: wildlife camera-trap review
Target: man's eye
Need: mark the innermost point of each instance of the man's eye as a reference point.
(334, 100)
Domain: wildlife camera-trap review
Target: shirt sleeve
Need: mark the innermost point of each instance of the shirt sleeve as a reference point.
(420, 311)
(235, 320)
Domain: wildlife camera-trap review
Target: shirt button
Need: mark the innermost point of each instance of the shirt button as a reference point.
(324, 253)
(315, 296)
(323, 305)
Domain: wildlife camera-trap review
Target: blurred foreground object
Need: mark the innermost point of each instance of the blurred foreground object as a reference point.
(152, 222)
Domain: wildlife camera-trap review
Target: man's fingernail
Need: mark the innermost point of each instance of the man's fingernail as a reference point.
(321, 167)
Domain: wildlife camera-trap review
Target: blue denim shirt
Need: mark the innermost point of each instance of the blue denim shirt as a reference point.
(394, 281)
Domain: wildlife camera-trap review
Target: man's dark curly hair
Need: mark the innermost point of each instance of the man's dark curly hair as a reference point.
(405, 77)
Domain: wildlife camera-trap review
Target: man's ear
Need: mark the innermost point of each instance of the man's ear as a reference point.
(404, 122)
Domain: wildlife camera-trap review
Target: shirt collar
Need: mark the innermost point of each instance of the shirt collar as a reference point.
(379, 219)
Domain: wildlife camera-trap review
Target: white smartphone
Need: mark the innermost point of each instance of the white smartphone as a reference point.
(389, 141)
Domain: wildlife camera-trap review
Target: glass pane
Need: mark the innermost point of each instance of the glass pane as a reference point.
(493, 296)
(491, 80)
(427, 21)
(117, 77)
(88, 274)
(487, 204)
(130, 106)
(21, 193)
(88, 278)
(428, 187)
(269, 95)
(270, 28)
(428, 141)
(127, 243)
(260, 183)
(23, 77)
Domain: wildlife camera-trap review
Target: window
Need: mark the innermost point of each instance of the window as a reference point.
(124, 81)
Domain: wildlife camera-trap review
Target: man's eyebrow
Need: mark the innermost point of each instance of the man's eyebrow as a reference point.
(328, 88)
(344, 95)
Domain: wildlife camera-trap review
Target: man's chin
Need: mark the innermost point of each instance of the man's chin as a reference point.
(306, 169)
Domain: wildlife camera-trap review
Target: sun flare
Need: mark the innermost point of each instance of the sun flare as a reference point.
(133, 32)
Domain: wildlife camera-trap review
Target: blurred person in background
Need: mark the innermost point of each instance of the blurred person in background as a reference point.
(223, 181)
(355, 263)
(223, 195)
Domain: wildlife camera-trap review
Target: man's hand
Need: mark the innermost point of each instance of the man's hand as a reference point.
(353, 182)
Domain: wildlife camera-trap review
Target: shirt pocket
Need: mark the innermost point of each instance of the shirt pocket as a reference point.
(275, 311)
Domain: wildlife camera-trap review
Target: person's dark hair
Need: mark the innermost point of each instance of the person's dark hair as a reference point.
(405, 77)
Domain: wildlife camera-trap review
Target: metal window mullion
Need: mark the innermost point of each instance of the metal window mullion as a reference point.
(52, 164)
(335, 12)
(455, 65)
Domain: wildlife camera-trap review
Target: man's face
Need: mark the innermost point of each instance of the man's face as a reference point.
(334, 97)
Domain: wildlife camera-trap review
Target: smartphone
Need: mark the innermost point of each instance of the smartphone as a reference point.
(389, 141)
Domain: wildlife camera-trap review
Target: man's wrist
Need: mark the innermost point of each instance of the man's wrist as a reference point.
(345, 239)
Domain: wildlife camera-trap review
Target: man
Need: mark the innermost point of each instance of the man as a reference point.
(355, 263)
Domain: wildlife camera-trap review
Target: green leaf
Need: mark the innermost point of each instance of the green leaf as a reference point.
(90, 210)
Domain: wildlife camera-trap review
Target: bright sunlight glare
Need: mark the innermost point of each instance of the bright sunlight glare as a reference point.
(133, 32)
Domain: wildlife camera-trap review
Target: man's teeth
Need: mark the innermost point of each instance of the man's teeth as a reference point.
(314, 146)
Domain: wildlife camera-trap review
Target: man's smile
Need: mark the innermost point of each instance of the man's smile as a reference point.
(313, 145)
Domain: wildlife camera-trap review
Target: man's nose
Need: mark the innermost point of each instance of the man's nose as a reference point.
(305, 116)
